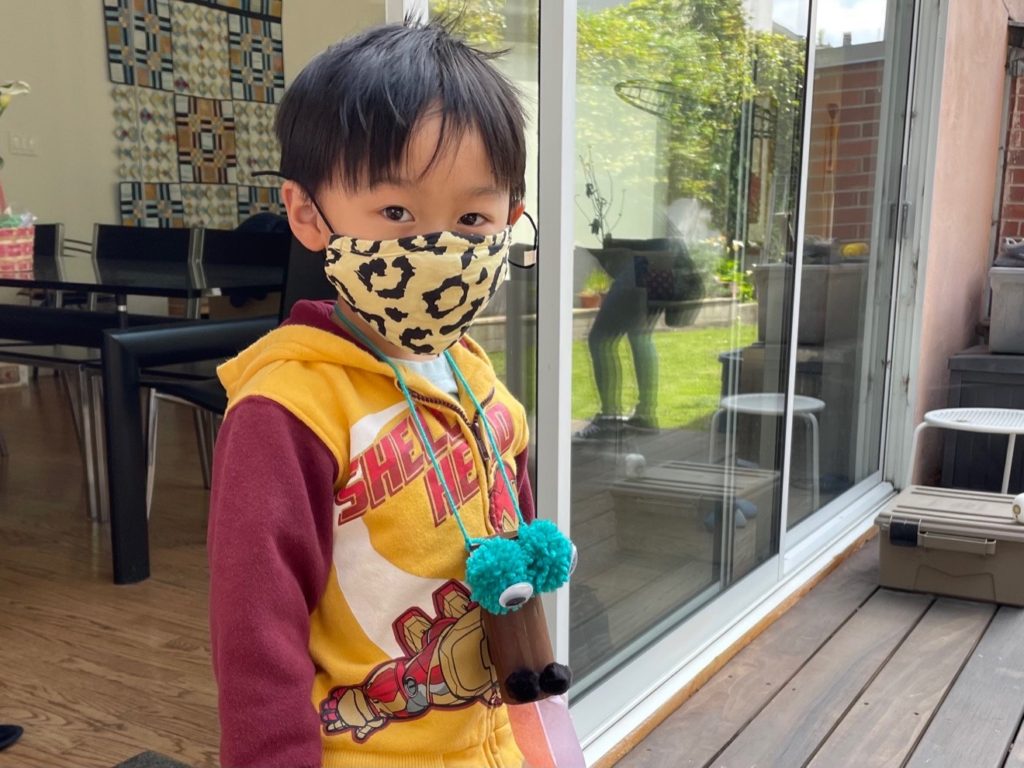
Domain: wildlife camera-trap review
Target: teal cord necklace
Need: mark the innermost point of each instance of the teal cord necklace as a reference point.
(503, 573)
(422, 432)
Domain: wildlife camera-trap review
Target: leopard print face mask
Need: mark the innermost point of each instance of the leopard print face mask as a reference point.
(420, 293)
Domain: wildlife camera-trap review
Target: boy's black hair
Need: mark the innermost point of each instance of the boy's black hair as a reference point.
(350, 113)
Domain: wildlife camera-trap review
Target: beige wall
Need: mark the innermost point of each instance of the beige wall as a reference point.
(312, 25)
(956, 281)
(57, 46)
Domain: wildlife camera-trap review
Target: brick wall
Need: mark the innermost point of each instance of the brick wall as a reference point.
(854, 91)
(1011, 218)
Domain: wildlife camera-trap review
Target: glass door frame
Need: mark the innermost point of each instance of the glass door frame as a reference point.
(807, 530)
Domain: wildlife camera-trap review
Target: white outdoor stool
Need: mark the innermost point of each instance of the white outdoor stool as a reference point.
(772, 404)
(991, 421)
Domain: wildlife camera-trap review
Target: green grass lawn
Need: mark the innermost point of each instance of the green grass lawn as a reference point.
(689, 375)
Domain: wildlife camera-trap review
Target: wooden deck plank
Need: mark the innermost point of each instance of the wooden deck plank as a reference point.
(623, 620)
(800, 717)
(883, 726)
(980, 716)
(705, 723)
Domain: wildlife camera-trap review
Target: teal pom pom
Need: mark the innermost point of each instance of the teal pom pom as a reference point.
(549, 553)
(492, 567)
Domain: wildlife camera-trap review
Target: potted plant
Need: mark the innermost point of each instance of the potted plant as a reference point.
(597, 285)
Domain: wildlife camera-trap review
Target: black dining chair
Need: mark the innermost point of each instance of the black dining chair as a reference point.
(304, 279)
(49, 239)
(118, 249)
(220, 251)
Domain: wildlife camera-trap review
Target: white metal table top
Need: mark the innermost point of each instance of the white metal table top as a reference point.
(771, 404)
(993, 421)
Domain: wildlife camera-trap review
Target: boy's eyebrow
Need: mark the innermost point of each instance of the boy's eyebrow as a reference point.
(485, 191)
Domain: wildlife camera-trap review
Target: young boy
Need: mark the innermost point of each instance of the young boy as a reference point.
(342, 631)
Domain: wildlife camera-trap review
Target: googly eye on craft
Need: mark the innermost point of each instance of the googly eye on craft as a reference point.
(516, 595)
(494, 565)
(575, 560)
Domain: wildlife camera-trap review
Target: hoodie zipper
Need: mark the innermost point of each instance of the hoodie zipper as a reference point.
(474, 425)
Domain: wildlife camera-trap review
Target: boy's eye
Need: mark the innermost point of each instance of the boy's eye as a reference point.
(472, 220)
(396, 213)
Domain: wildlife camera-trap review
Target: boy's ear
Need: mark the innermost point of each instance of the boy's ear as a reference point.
(515, 212)
(305, 222)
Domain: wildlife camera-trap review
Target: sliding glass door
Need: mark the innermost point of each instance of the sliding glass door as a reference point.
(711, 409)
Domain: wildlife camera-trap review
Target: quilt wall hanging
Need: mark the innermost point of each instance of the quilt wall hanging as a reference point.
(195, 86)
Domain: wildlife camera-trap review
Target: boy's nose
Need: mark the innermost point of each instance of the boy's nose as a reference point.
(436, 225)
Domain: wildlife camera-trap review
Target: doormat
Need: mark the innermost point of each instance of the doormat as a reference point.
(151, 760)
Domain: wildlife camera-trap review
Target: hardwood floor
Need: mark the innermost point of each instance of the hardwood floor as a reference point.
(97, 673)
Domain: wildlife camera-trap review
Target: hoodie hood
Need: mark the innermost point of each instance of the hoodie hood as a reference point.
(307, 336)
(310, 336)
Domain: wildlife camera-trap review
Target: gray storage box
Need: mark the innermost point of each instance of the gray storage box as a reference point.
(1006, 333)
(952, 542)
(831, 301)
(666, 512)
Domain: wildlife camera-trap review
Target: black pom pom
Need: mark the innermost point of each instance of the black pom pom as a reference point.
(555, 679)
(523, 685)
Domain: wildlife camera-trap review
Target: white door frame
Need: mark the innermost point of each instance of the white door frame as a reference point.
(556, 179)
(398, 10)
(912, 261)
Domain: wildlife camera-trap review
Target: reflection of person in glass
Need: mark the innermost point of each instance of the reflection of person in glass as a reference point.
(649, 277)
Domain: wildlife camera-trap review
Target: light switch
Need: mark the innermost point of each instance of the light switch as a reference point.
(24, 145)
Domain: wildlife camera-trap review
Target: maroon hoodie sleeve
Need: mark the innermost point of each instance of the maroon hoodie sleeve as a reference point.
(525, 489)
(269, 546)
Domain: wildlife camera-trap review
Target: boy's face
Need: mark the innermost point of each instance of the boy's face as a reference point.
(456, 193)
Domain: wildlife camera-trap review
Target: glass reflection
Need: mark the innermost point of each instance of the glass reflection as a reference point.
(511, 26)
(854, 157)
(688, 129)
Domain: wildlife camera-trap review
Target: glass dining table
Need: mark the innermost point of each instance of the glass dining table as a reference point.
(139, 277)
(192, 281)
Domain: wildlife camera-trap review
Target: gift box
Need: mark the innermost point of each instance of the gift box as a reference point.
(16, 248)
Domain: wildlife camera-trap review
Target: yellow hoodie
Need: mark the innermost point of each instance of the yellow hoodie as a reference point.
(342, 632)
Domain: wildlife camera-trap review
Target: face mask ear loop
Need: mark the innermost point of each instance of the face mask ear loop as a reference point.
(308, 195)
(320, 211)
(536, 232)
(536, 236)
